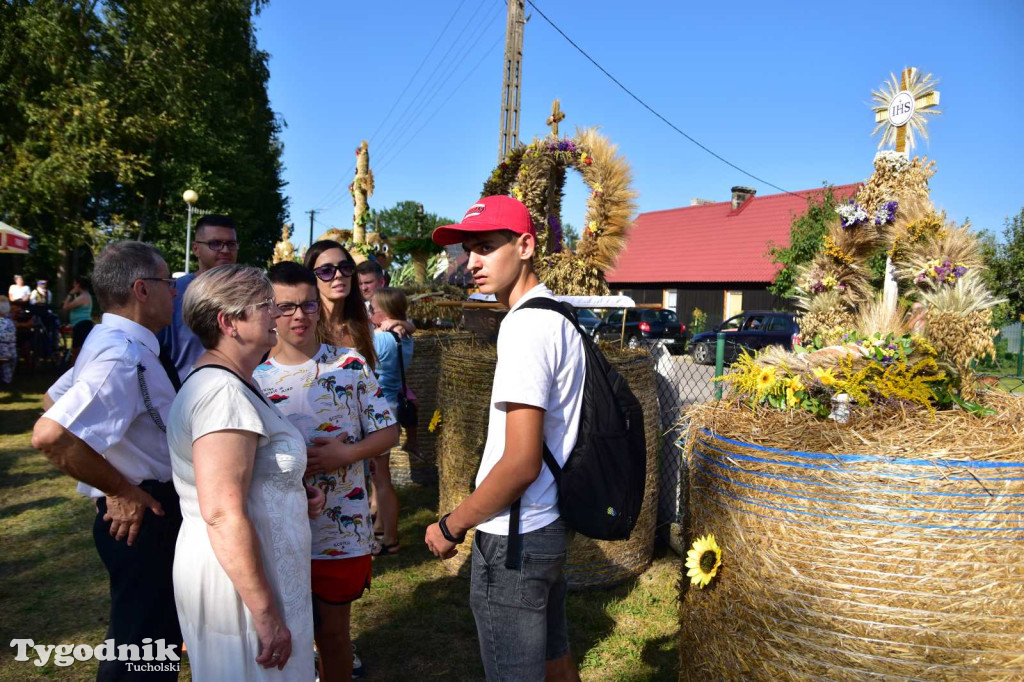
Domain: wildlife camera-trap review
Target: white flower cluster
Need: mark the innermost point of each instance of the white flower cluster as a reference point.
(851, 214)
(895, 161)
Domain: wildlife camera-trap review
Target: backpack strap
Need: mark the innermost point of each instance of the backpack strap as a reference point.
(512, 553)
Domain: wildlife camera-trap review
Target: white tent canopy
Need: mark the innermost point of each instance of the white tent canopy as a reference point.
(12, 240)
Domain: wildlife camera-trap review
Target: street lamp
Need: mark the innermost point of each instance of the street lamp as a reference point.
(190, 197)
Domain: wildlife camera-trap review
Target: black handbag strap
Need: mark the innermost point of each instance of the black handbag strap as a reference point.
(249, 386)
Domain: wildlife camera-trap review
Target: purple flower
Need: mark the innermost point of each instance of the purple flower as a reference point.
(556, 231)
(959, 271)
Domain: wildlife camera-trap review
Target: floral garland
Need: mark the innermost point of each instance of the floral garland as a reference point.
(536, 173)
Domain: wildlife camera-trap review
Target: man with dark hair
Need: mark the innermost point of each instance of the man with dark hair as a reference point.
(105, 428)
(517, 586)
(215, 244)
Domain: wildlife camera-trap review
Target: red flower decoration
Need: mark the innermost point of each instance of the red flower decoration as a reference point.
(589, 160)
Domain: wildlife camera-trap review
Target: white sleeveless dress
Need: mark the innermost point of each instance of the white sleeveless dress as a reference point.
(217, 627)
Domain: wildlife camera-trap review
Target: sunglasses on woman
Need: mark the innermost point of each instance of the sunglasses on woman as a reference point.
(327, 271)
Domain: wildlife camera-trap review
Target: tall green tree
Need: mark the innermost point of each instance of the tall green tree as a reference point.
(408, 227)
(1005, 261)
(110, 109)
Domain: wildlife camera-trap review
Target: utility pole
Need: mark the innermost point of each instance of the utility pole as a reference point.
(312, 215)
(510, 88)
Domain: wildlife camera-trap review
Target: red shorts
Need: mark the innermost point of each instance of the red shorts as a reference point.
(341, 581)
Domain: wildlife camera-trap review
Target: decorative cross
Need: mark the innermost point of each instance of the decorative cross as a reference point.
(554, 118)
(905, 107)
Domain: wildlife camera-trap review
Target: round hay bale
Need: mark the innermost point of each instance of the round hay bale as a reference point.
(886, 548)
(467, 373)
(421, 376)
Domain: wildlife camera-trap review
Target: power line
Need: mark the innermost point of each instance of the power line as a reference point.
(460, 56)
(389, 149)
(645, 105)
(393, 151)
(418, 69)
(333, 198)
(458, 87)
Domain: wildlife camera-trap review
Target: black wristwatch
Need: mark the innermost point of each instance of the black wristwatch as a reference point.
(443, 523)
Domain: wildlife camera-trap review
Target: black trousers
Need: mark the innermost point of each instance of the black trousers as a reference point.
(141, 586)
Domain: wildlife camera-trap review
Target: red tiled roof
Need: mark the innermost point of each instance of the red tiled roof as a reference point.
(712, 243)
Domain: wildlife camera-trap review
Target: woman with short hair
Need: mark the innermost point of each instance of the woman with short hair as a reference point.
(241, 568)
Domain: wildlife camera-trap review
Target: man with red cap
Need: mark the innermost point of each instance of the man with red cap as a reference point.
(518, 589)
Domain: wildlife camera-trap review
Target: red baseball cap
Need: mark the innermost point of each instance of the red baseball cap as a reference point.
(489, 213)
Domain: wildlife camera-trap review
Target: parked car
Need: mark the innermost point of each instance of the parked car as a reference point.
(749, 331)
(589, 320)
(655, 324)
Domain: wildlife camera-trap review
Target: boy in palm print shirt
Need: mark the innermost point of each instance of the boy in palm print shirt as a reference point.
(330, 395)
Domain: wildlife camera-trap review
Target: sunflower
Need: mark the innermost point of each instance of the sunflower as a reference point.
(766, 379)
(703, 560)
(825, 376)
(435, 421)
(793, 387)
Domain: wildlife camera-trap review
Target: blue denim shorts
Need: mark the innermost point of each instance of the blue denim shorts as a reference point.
(520, 614)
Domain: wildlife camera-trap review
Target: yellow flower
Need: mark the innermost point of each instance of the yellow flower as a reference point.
(592, 227)
(825, 376)
(703, 560)
(435, 421)
(766, 379)
(793, 385)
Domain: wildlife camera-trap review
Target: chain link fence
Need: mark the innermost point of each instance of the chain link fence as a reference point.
(681, 382)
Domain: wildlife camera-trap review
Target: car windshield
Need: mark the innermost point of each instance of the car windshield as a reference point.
(732, 323)
(586, 314)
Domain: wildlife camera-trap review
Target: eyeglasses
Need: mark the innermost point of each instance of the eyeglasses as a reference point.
(307, 307)
(327, 271)
(172, 283)
(220, 244)
(267, 303)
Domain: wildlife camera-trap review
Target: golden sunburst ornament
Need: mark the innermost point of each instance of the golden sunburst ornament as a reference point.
(914, 97)
(703, 560)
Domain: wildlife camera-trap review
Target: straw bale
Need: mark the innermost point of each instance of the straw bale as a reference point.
(887, 548)
(464, 390)
(421, 376)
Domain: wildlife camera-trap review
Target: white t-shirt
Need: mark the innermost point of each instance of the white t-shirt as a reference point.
(100, 400)
(16, 293)
(540, 363)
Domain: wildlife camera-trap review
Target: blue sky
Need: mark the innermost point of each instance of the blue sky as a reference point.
(780, 89)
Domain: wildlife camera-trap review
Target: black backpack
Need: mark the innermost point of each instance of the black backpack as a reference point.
(601, 486)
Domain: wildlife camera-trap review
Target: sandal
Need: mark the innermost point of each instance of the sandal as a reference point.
(386, 550)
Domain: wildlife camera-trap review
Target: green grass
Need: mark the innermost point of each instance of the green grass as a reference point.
(414, 624)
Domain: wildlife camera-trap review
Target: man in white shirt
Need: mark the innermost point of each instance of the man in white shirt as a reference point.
(537, 399)
(216, 243)
(106, 429)
(19, 291)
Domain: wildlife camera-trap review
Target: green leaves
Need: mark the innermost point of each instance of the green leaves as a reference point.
(109, 111)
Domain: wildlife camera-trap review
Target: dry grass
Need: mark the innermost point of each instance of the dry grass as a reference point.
(896, 553)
